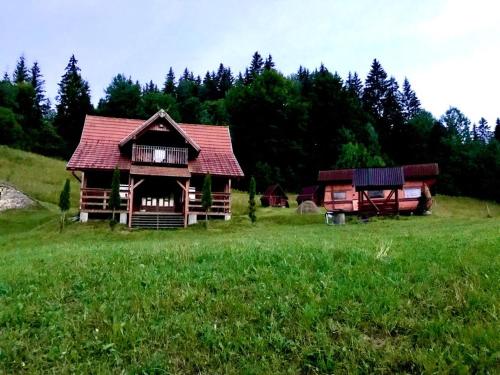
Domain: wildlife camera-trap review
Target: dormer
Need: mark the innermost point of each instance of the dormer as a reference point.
(160, 141)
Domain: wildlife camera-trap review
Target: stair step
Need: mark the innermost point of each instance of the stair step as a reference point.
(157, 221)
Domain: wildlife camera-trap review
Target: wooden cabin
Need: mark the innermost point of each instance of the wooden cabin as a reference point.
(310, 193)
(274, 196)
(377, 190)
(162, 166)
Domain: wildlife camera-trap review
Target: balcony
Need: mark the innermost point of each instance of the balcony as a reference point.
(159, 155)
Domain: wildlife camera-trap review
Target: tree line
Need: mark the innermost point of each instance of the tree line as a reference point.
(284, 128)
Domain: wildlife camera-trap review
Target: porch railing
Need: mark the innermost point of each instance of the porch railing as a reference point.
(159, 155)
(97, 200)
(221, 203)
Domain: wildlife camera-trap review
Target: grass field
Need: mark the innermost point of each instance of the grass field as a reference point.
(287, 295)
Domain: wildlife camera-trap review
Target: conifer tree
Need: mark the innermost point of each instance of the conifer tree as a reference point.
(41, 102)
(21, 73)
(483, 131)
(251, 200)
(206, 197)
(269, 63)
(73, 105)
(458, 124)
(169, 86)
(375, 89)
(497, 130)
(354, 85)
(64, 203)
(6, 77)
(114, 199)
(409, 102)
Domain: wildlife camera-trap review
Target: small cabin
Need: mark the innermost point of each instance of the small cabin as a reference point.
(310, 193)
(377, 190)
(162, 166)
(274, 196)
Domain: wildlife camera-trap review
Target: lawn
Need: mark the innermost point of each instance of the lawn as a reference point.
(286, 295)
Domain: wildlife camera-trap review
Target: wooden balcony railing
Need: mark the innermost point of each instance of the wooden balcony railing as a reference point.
(159, 155)
(97, 200)
(221, 203)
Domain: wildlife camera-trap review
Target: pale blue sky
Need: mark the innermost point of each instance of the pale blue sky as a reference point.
(448, 49)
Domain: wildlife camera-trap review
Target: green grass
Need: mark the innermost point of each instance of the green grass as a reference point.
(39, 177)
(287, 295)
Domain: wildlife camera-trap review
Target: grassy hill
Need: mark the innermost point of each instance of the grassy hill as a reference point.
(289, 294)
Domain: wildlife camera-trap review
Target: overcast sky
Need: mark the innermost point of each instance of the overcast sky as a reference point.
(449, 50)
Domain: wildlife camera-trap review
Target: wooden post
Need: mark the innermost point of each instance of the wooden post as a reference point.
(130, 201)
(82, 186)
(397, 201)
(186, 203)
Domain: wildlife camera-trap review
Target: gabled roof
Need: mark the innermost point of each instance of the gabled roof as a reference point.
(378, 178)
(160, 114)
(101, 137)
(274, 190)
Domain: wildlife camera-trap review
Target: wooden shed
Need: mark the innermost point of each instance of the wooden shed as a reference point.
(310, 193)
(274, 196)
(377, 190)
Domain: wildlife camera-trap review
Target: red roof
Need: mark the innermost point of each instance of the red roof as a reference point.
(101, 136)
(421, 170)
(336, 175)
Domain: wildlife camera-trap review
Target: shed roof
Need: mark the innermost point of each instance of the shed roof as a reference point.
(274, 190)
(336, 175)
(101, 136)
(378, 178)
(421, 170)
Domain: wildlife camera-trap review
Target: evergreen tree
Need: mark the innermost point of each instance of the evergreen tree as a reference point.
(224, 80)
(169, 86)
(251, 200)
(206, 197)
(209, 88)
(255, 69)
(409, 101)
(114, 199)
(497, 130)
(6, 77)
(73, 105)
(354, 85)
(483, 131)
(42, 104)
(64, 203)
(269, 63)
(21, 73)
(150, 87)
(375, 89)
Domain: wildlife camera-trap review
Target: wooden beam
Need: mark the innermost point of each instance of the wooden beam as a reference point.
(75, 176)
(137, 184)
(182, 185)
(82, 186)
(369, 200)
(397, 201)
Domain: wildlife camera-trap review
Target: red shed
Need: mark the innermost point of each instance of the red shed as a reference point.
(274, 196)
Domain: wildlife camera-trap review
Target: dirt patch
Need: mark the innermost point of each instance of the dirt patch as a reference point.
(10, 198)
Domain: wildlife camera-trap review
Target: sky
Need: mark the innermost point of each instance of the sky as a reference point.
(448, 49)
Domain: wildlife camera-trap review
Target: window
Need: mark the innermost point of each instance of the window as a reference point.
(339, 195)
(376, 193)
(159, 155)
(412, 192)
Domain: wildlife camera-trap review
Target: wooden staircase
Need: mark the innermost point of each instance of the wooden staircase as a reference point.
(157, 221)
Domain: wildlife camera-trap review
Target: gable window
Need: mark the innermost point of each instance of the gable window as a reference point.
(412, 192)
(339, 195)
(376, 193)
